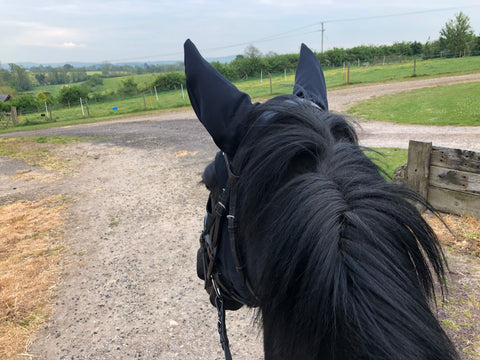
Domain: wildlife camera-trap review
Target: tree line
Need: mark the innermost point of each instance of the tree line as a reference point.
(21, 79)
(92, 89)
(456, 39)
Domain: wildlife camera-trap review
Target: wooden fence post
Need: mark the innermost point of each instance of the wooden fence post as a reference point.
(50, 112)
(418, 168)
(14, 115)
(415, 65)
(86, 105)
(144, 102)
(271, 88)
(348, 73)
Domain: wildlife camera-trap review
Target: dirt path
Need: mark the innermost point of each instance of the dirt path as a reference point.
(129, 289)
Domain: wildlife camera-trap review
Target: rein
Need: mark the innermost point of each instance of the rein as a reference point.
(209, 242)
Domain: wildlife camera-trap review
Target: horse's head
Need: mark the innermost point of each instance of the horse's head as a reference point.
(301, 224)
(229, 116)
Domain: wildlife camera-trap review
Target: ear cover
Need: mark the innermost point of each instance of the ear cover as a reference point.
(309, 79)
(219, 105)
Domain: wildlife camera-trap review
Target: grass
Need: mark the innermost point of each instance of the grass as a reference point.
(30, 254)
(388, 158)
(404, 71)
(257, 89)
(456, 104)
(100, 111)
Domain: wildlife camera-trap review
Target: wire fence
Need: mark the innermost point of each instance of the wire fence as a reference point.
(261, 87)
(85, 108)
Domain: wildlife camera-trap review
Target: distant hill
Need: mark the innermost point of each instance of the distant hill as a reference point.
(77, 64)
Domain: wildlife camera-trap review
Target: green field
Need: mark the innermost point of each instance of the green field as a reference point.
(404, 71)
(457, 104)
(259, 90)
(102, 110)
(109, 84)
(334, 77)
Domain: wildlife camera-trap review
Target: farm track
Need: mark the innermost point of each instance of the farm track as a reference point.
(371, 133)
(129, 288)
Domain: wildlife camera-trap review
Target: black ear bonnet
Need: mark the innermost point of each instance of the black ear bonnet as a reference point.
(223, 109)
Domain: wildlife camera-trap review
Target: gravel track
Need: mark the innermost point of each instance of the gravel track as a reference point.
(129, 289)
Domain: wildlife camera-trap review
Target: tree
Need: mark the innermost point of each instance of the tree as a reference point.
(20, 79)
(93, 81)
(106, 68)
(45, 97)
(41, 78)
(252, 52)
(72, 94)
(474, 46)
(416, 48)
(129, 87)
(457, 33)
(249, 64)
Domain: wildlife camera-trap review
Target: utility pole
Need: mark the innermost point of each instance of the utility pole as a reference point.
(323, 30)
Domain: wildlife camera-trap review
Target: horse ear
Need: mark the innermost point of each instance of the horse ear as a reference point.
(309, 79)
(219, 105)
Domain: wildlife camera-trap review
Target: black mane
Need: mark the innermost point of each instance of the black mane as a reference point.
(342, 262)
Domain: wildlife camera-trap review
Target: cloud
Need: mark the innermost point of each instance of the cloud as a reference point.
(289, 4)
(38, 34)
(71, 45)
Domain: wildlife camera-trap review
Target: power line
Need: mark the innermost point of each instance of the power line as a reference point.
(387, 15)
(287, 34)
(270, 38)
(276, 36)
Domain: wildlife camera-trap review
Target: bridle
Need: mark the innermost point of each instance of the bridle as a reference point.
(223, 214)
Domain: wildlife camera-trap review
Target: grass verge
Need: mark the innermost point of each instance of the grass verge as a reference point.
(441, 105)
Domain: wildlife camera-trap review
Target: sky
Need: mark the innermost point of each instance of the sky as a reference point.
(54, 31)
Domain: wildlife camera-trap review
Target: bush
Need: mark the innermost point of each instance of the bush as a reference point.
(129, 87)
(72, 94)
(169, 81)
(24, 103)
(93, 81)
(5, 107)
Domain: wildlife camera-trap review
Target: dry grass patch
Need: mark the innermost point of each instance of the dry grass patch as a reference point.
(28, 175)
(184, 153)
(30, 252)
(464, 235)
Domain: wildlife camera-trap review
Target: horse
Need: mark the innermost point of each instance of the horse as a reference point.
(302, 225)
